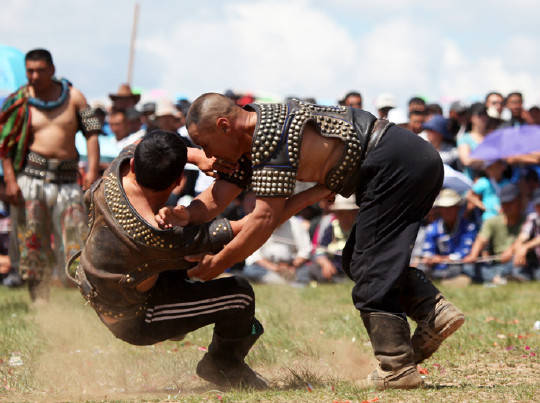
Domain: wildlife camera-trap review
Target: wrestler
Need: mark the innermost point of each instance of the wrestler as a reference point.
(135, 276)
(38, 125)
(395, 175)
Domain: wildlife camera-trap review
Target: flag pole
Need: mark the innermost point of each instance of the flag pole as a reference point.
(132, 44)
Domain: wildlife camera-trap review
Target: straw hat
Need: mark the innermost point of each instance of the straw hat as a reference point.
(124, 91)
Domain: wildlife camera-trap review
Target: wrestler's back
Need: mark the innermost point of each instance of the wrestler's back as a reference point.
(54, 131)
(318, 155)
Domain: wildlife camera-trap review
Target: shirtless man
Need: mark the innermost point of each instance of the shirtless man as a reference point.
(396, 176)
(40, 161)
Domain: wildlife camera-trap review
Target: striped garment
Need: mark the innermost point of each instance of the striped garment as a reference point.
(14, 124)
(196, 308)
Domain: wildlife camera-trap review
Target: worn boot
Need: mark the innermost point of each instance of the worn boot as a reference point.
(390, 339)
(436, 318)
(224, 363)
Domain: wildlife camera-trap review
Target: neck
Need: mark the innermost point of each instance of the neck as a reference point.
(45, 94)
(155, 199)
(246, 122)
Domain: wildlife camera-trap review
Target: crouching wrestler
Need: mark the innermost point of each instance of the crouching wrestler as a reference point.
(134, 274)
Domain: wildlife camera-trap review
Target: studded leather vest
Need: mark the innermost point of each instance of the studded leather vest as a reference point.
(122, 249)
(275, 152)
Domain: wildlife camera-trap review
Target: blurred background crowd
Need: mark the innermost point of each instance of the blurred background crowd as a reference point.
(484, 226)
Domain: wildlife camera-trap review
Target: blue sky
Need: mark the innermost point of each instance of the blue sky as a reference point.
(441, 50)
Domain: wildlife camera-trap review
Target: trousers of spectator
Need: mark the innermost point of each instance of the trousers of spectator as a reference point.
(399, 182)
(177, 306)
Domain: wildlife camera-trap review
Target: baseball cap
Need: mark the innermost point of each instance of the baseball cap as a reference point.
(438, 124)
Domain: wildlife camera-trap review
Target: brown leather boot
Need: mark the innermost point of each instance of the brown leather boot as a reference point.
(390, 339)
(436, 318)
(224, 363)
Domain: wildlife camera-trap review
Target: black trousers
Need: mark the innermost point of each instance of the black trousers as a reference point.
(400, 180)
(178, 306)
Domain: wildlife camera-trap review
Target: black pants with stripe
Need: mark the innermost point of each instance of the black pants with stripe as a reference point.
(178, 306)
(400, 180)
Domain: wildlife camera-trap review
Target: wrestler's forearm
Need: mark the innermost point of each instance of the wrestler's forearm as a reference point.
(92, 146)
(212, 201)
(257, 229)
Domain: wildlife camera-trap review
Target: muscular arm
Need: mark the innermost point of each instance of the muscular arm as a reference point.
(212, 201)
(92, 147)
(259, 226)
(13, 191)
(269, 212)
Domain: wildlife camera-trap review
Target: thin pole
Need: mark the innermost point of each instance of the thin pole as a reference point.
(132, 44)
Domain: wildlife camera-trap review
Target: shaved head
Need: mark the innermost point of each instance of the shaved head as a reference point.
(207, 108)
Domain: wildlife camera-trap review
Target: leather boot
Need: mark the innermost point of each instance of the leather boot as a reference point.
(390, 339)
(436, 318)
(224, 363)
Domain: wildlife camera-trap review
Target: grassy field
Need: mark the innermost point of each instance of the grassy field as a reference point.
(314, 348)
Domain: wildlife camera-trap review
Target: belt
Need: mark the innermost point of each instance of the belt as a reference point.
(50, 169)
(77, 274)
(379, 129)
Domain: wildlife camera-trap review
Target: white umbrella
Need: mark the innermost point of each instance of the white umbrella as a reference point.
(456, 180)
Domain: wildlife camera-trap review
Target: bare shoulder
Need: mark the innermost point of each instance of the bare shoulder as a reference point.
(78, 99)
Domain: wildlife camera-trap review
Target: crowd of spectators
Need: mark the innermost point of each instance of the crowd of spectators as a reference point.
(487, 230)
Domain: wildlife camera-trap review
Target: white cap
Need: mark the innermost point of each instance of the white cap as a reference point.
(385, 100)
(166, 107)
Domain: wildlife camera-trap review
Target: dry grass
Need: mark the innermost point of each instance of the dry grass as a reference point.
(314, 348)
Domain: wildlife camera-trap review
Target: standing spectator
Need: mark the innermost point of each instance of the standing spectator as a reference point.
(438, 135)
(124, 98)
(514, 103)
(40, 161)
(353, 99)
(449, 238)
(384, 103)
(121, 128)
(494, 104)
(458, 119)
(148, 122)
(417, 104)
(534, 115)
(325, 263)
(527, 248)
(416, 121)
(485, 192)
(468, 142)
(499, 233)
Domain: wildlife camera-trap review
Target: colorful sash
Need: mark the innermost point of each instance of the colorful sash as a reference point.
(14, 124)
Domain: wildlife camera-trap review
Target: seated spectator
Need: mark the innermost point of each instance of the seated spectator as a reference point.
(287, 249)
(527, 248)
(485, 192)
(438, 135)
(500, 233)
(325, 263)
(449, 238)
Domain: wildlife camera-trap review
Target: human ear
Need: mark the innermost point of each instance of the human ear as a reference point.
(223, 125)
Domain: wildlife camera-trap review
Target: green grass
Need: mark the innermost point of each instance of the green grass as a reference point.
(313, 350)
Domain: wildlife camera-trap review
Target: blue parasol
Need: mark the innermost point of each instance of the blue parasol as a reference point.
(509, 142)
(12, 70)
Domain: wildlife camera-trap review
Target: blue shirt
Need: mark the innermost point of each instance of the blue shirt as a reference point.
(455, 244)
(489, 190)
